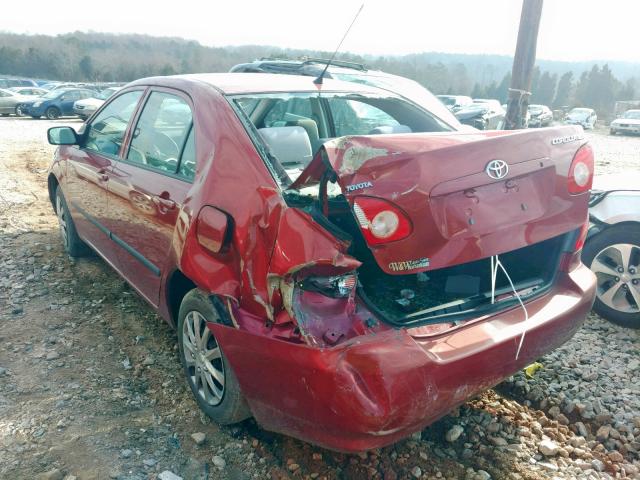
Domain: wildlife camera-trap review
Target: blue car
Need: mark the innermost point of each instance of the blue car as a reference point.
(56, 103)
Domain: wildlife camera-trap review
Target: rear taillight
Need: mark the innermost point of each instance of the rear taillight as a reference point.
(581, 172)
(380, 221)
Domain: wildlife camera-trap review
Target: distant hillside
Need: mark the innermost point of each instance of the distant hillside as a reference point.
(111, 57)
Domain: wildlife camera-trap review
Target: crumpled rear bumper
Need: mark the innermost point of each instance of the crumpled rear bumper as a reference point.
(375, 390)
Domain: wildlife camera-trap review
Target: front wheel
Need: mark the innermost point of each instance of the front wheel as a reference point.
(209, 375)
(71, 242)
(20, 111)
(614, 256)
(52, 113)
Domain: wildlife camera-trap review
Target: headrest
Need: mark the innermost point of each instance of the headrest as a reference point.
(290, 145)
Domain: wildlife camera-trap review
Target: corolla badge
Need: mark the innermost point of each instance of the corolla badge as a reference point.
(497, 169)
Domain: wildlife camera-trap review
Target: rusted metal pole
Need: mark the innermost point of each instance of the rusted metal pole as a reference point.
(523, 63)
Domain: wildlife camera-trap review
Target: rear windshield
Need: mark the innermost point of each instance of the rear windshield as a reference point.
(289, 128)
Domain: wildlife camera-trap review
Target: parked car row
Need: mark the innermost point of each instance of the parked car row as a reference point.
(58, 99)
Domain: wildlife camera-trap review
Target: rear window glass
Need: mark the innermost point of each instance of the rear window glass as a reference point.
(288, 129)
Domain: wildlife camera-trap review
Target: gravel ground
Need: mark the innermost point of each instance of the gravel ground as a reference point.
(91, 387)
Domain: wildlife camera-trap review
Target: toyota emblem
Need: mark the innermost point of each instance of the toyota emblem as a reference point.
(497, 169)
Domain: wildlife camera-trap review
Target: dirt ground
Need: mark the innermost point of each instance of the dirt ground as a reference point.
(91, 386)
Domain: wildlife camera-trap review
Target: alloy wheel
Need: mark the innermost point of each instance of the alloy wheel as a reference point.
(62, 220)
(142, 203)
(205, 368)
(617, 268)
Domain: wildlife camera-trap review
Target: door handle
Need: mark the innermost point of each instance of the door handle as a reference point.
(166, 203)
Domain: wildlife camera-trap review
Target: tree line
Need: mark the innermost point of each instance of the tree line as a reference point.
(597, 88)
(121, 58)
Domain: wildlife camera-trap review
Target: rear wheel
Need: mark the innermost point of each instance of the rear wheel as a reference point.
(20, 111)
(52, 113)
(71, 242)
(612, 131)
(208, 373)
(614, 256)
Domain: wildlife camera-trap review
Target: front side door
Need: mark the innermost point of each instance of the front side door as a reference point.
(148, 187)
(6, 102)
(85, 185)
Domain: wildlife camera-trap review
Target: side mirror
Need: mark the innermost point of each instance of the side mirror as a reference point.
(62, 136)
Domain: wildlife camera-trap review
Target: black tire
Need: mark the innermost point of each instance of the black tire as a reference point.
(622, 234)
(4, 114)
(232, 408)
(612, 132)
(52, 113)
(71, 242)
(19, 112)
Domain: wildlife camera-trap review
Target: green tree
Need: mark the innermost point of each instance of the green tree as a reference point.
(502, 92)
(478, 91)
(564, 91)
(86, 67)
(546, 90)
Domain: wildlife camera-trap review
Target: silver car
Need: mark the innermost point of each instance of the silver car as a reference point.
(28, 91)
(11, 101)
(586, 117)
(612, 248)
(629, 122)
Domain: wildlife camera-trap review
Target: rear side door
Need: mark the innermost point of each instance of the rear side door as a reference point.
(85, 185)
(148, 187)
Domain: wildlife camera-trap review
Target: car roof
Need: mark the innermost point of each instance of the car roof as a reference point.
(241, 83)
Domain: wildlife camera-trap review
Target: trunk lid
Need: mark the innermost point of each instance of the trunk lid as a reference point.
(459, 213)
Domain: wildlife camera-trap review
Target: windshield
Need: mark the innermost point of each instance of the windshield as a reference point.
(105, 94)
(448, 100)
(633, 114)
(52, 94)
(289, 128)
(580, 112)
(535, 108)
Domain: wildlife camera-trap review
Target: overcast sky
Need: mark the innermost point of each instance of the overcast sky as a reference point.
(570, 29)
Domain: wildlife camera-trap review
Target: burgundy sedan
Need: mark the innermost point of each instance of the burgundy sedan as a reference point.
(339, 262)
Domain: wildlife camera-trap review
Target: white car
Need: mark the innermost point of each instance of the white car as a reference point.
(629, 122)
(86, 107)
(586, 117)
(612, 248)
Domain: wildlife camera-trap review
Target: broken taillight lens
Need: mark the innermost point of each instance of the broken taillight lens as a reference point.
(581, 171)
(380, 221)
(338, 286)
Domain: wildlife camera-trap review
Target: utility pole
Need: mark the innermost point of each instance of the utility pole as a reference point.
(523, 63)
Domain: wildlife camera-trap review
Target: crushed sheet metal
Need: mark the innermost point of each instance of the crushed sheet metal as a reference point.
(355, 156)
